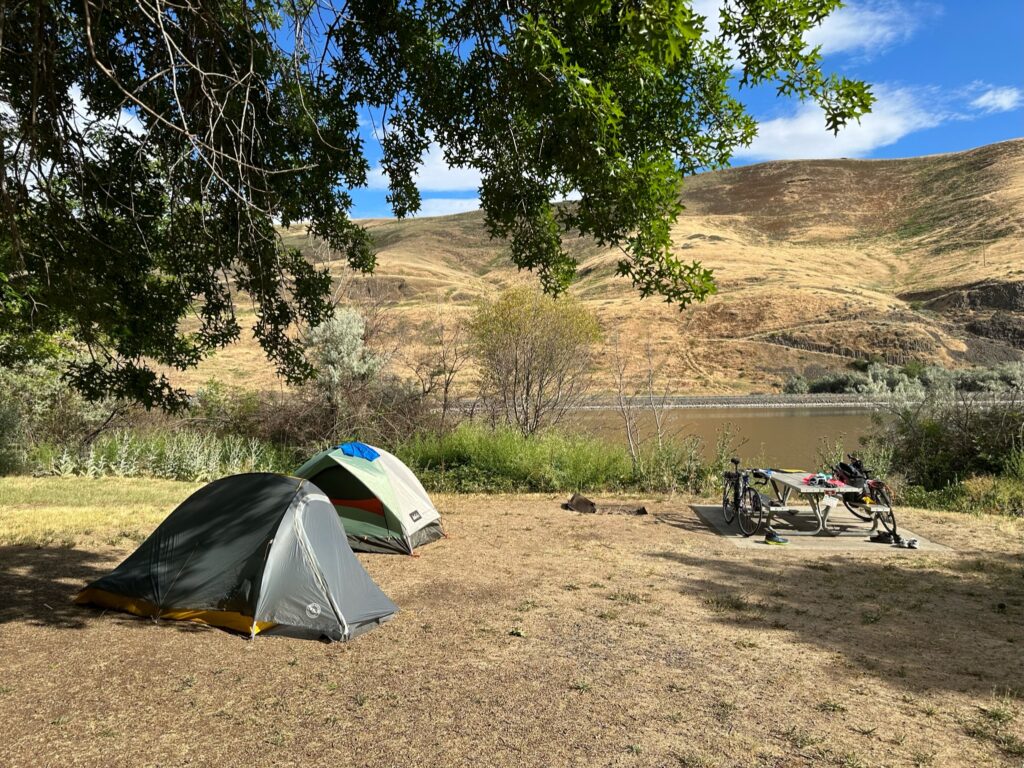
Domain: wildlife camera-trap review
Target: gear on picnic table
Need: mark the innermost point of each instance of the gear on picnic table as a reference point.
(821, 479)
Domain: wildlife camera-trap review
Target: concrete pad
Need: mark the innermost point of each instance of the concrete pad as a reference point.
(849, 534)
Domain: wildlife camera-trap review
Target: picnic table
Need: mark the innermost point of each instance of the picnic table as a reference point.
(821, 498)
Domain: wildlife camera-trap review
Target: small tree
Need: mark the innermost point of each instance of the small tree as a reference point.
(534, 354)
(437, 367)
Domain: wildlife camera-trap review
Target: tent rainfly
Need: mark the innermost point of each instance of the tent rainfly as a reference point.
(249, 553)
(382, 505)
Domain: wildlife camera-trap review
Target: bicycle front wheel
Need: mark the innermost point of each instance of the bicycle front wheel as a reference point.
(751, 512)
(728, 509)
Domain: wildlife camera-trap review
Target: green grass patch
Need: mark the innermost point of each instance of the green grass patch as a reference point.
(63, 511)
(474, 459)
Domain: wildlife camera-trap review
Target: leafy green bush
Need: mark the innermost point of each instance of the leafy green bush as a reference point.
(1013, 464)
(12, 450)
(37, 407)
(838, 383)
(952, 436)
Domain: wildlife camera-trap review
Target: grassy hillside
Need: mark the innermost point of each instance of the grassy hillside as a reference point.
(818, 262)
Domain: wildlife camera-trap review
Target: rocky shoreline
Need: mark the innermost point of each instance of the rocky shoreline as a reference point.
(866, 402)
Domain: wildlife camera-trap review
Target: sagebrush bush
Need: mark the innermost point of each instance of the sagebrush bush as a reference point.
(174, 455)
(914, 380)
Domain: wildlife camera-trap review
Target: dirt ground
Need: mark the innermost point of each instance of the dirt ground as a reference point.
(535, 636)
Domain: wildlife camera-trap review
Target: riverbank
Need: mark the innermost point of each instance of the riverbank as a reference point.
(757, 400)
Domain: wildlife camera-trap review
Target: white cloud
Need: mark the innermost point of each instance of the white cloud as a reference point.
(435, 175)
(866, 27)
(896, 113)
(445, 206)
(999, 100)
(85, 120)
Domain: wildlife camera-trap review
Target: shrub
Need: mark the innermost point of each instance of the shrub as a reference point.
(838, 383)
(477, 459)
(338, 352)
(915, 380)
(674, 465)
(952, 436)
(37, 407)
(12, 448)
(1013, 464)
(534, 354)
(796, 385)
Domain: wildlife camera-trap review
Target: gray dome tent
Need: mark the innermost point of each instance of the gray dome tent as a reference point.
(249, 553)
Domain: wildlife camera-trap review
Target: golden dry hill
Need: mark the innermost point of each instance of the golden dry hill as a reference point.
(818, 262)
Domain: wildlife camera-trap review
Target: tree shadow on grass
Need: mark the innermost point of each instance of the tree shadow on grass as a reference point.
(37, 584)
(685, 521)
(924, 622)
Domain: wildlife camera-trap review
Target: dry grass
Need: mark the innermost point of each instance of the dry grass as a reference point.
(816, 260)
(536, 637)
(48, 511)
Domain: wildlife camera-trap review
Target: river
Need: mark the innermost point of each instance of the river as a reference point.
(787, 437)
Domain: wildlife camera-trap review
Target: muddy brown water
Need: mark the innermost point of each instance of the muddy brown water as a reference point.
(790, 437)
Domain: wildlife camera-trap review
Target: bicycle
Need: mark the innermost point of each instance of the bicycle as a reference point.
(740, 501)
(874, 495)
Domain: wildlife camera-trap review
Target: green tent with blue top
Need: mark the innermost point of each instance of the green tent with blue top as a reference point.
(382, 505)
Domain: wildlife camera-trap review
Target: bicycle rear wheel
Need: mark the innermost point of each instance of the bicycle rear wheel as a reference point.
(857, 510)
(751, 512)
(888, 517)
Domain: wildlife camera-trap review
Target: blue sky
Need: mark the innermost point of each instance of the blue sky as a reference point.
(948, 76)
